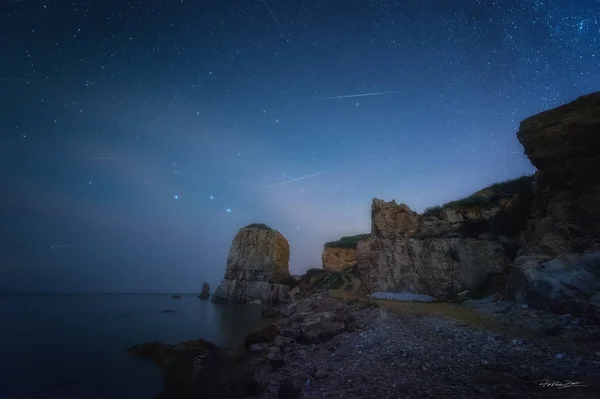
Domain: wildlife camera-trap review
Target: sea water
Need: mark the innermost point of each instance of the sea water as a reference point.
(74, 346)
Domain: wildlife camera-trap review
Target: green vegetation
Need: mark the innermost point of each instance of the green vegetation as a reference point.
(323, 279)
(290, 281)
(347, 242)
(432, 210)
(261, 226)
(495, 192)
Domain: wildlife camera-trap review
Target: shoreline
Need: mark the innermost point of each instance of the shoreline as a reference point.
(326, 347)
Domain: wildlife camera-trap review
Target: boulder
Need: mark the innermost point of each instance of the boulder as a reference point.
(198, 368)
(321, 331)
(264, 335)
(542, 281)
(257, 267)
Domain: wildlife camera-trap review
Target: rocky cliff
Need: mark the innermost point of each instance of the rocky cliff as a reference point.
(441, 253)
(559, 262)
(257, 267)
(341, 254)
(540, 233)
(337, 259)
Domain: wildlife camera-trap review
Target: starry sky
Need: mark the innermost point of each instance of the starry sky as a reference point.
(136, 138)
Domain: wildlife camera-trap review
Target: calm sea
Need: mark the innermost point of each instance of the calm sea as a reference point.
(74, 346)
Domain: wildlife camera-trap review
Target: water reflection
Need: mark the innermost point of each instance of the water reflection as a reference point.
(235, 321)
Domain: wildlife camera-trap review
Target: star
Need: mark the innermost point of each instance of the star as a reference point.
(176, 196)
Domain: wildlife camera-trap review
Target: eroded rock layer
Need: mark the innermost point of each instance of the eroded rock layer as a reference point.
(257, 266)
(427, 254)
(337, 259)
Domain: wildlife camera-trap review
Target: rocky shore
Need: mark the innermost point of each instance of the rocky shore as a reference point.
(322, 347)
(382, 354)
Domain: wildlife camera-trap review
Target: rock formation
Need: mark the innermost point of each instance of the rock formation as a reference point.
(337, 259)
(198, 368)
(257, 267)
(560, 260)
(542, 234)
(205, 294)
(432, 254)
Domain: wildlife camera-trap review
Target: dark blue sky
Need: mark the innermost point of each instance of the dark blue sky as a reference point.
(147, 133)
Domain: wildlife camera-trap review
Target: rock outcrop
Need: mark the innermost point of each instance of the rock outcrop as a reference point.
(429, 254)
(257, 267)
(205, 293)
(337, 259)
(198, 368)
(544, 230)
(564, 145)
(559, 264)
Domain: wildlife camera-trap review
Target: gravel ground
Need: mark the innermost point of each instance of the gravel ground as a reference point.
(395, 356)
(541, 321)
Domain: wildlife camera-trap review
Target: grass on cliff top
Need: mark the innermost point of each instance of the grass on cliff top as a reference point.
(260, 226)
(347, 242)
(488, 195)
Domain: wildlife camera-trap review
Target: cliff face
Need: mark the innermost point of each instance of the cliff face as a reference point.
(540, 234)
(559, 264)
(337, 259)
(257, 265)
(432, 254)
(564, 145)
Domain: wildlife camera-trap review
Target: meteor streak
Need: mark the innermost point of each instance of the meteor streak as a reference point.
(299, 178)
(271, 12)
(380, 93)
(15, 79)
(64, 245)
(109, 158)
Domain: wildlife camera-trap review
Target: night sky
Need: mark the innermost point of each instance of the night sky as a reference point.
(136, 138)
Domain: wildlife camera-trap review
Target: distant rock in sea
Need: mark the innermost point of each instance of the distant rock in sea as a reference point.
(205, 294)
(176, 297)
(169, 311)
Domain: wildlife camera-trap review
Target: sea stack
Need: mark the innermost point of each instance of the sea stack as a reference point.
(257, 267)
(205, 294)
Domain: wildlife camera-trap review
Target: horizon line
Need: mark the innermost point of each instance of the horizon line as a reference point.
(101, 293)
